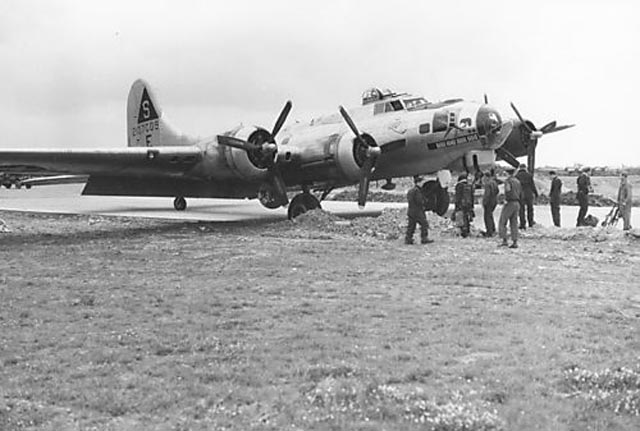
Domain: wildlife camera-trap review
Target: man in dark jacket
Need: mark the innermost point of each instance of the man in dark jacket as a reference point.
(584, 188)
(489, 202)
(625, 201)
(554, 197)
(510, 209)
(529, 192)
(415, 213)
(464, 205)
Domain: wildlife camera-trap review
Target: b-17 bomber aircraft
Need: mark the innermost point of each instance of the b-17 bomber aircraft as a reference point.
(389, 136)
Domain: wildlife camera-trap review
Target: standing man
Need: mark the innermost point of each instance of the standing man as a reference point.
(554, 197)
(625, 201)
(464, 205)
(415, 213)
(489, 202)
(529, 192)
(510, 209)
(584, 187)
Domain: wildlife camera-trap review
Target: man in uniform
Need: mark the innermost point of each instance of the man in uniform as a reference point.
(510, 210)
(415, 213)
(554, 197)
(584, 187)
(529, 192)
(489, 202)
(464, 205)
(625, 201)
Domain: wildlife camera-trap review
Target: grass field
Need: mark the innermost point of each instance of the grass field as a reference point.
(122, 324)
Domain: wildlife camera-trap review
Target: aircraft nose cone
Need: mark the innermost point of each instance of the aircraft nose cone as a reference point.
(489, 124)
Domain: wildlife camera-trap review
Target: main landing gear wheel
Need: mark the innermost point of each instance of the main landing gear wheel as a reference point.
(437, 197)
(301, 203)
(180, 203)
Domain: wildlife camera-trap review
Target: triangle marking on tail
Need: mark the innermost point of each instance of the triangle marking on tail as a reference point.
(147, 111)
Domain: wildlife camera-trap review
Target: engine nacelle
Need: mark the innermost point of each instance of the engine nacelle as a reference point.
(351, 154)
(248, 165)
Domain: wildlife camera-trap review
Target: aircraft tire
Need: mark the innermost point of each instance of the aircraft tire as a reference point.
(301, 203)
(442, 205)
(180, 203)
(437, 197)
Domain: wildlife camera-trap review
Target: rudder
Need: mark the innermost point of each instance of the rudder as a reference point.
(146, 123)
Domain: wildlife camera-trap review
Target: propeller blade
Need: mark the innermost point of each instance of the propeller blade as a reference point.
(278, 184)
(507, 157)
(558, 128)
(486, 99)
(363, 190)
(363, 186)
(524, 123)
(281, 118)
(531, 157)
(352, 125)
(230, 141)
(548, 127)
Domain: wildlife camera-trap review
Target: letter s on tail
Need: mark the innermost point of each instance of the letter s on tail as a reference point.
(146, 124)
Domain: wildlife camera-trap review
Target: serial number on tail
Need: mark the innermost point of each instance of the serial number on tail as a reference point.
(145, 128)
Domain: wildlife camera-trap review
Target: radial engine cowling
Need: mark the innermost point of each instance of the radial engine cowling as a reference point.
(351, 155)
(251, 165)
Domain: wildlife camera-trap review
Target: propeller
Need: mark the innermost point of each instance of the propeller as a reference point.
(371, 156)
(262, 149)
(507, 157)
(533, 135)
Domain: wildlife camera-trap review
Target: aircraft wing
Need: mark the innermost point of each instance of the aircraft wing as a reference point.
(54, 180)
(130, 161)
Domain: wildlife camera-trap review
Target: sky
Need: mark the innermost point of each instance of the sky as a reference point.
(67, 66)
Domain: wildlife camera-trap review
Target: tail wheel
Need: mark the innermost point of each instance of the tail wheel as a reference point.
(302, 203)
(180, 203)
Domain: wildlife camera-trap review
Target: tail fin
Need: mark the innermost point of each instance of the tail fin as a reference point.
(146, 124)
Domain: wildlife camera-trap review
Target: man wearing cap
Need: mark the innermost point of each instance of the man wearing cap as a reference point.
(625, 201)
(584, 187)
(529, 192)
(415, 213)
(464, 205)
(554, 197)
(510, 210)
(489, 203)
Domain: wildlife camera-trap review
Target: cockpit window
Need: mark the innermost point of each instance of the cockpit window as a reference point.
(415, 103)
(391, 106)
(440, 121)
(394, 105)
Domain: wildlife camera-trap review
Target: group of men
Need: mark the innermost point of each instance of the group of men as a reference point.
(519, 192)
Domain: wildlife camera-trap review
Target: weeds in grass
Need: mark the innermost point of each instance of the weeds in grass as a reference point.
(613, 389)
(334, 398)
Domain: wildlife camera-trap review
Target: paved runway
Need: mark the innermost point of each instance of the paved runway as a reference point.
(66, 199)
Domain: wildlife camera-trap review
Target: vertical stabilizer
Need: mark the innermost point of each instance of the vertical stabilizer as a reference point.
(146, 124)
